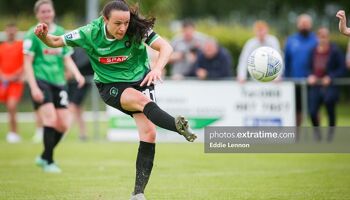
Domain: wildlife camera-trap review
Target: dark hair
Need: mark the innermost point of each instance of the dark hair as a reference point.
(188, 23)
(138, 26)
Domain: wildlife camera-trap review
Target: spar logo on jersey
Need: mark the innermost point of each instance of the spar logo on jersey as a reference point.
(50, 51)
(113, 59)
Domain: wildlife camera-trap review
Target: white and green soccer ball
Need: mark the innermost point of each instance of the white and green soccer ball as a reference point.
(265, 64)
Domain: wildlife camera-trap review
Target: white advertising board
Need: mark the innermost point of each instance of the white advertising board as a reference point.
(215, 103)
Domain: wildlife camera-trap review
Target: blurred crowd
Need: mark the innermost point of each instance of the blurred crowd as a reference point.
(308, 55)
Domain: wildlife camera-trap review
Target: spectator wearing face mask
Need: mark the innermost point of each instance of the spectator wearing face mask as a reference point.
(298, 51)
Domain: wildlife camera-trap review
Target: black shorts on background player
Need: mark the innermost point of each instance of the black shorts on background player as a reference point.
(56, 94)
(77, 95)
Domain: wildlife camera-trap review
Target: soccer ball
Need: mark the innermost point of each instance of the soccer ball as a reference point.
(265, 64)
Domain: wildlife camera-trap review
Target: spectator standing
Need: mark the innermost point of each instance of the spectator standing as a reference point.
(186, 47)
(327, 63)
(262, 38)
(11, 78)
(298, 51)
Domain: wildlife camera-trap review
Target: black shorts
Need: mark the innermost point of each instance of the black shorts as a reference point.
(77, 95)
(111, 93)
(56, 94)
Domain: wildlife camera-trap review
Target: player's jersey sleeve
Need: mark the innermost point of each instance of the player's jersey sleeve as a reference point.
(151, 37)
(30, 43)
(78, 38)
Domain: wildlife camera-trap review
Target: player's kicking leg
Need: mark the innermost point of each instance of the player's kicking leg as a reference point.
(134, 100)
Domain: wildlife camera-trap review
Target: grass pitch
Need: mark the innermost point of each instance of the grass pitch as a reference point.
(99, 170)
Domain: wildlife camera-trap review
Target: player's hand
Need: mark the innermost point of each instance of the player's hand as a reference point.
(342, 21)
(154, 76)
(37, 95)
(312, 80)
(80, 79)
(41, 30)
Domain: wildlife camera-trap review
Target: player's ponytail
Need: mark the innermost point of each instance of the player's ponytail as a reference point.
(139, 26)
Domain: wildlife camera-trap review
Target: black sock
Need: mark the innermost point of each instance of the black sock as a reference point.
(58, 137)
(49, 144)
(144, 165)
(159, 117)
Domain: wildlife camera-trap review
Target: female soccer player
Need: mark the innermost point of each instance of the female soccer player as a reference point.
(44, 68)
(115, 43)
(342, 23)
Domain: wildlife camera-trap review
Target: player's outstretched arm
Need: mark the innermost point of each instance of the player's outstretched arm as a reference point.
(37, 94)
(342, 23)
(165, 50)
(41, 31)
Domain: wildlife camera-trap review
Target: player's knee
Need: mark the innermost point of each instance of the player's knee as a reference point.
(49, 120)
(62, 128)
(131, 100)
(149, 134)
(64, 124)
(141, 102)
(144, 101)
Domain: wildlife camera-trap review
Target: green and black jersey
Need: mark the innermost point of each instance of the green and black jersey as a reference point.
(113, 60)
(48, 63)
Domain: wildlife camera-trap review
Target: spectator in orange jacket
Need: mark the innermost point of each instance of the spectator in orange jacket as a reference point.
(11, 78)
